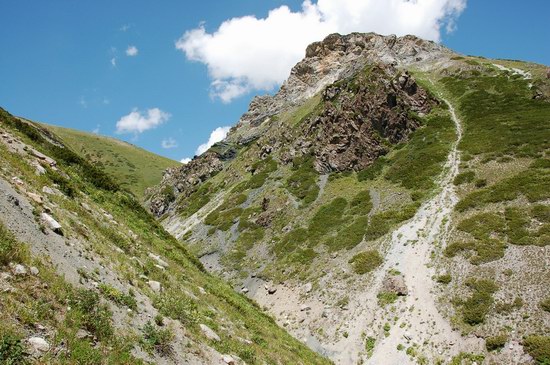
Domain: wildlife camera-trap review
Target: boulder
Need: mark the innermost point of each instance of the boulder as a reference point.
(209, 333)
(38, 345)
(35, 197)
(51, 223)
(155, 286)
(395, 284)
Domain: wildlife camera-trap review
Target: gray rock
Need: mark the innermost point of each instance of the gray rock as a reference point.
(271, 291)
(34, 270)
(227, 359)
(51, 223)
(308, 287)
(159, 261)
(19, 270)
(38, 345)
(244, 290)
(155, 286)
(395, 284)
(209, 333)
(304, 307)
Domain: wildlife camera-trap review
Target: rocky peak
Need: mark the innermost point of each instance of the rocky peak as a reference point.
(335, 57)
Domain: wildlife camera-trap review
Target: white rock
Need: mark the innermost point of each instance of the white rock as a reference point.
(51, 223)
(39, 344)
(209, 333)
(159, 261)
(49, 191)
(34, 270)
(244, 290)
(227, 359)
(19, 270)
(305, 307)
(155, 286)
(308, 287)
(35, 197)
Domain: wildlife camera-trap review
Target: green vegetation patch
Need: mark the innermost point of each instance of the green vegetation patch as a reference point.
(328, 217)
(10, 249)
(385, 298)
(366, 261)
(494, 343)
(464, 177)
(117, 296)
(476, 307)
(418, 163)
(539, 348)
(303, 181)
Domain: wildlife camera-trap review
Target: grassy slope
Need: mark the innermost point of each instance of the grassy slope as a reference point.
(134, 168)
(190, 296)
(502, 218)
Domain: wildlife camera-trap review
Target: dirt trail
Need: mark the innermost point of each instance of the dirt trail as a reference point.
(409, 253)
(418, 320)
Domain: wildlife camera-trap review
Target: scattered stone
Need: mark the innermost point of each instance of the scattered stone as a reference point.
(244, 290)
(51, 223)
(271, 291)
(407, 336)
(19, 270)
(209, 333)
(38, 345)
(82, 334)
(39, 169)
(34, 270)
(155, 286)
(227, 359)
(86, 207)
(305, 307)
(201, 290)
(49, 191)
(159, 261)
(35, 197)
(308, 287)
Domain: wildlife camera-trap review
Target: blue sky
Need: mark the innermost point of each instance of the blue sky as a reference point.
(66, 62)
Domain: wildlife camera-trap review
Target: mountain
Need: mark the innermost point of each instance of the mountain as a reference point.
(389, 204)
(88, 276)
(134, 168)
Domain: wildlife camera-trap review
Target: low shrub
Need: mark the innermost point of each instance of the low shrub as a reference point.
(495, 342)
(478, 305)
(157, 339)
(444, 279)
(12, 351)
(366, 261)
(539, 348)
(464, 177)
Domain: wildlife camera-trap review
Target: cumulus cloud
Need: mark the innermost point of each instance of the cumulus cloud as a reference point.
(169, 143)
(139, 122)
(131, 51)
(216, 136)
(250, 53)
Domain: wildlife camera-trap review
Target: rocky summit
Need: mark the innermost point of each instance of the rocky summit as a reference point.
(390, 204)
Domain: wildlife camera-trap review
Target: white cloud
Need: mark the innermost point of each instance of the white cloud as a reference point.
(96, 129)
(217, 135)
(125, 27)
(169, 143)
(113, 61)
(185, 160)
(249, 53)
(138, 122)
(131, 51)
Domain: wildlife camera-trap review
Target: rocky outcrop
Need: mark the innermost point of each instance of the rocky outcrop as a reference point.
(365, 115)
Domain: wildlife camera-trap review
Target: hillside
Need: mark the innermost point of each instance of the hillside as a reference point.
(388, 205)
(87, 276)
(134, 168)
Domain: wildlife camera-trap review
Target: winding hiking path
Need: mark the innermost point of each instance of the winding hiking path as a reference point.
(411, 245)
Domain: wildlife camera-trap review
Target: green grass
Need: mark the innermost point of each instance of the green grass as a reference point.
(385, 298)
(132, 167)
(217, 303)
(302, 183)
(476, 307)
(539, 348)
(494, 343)
(366, 261)
(464, 177)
